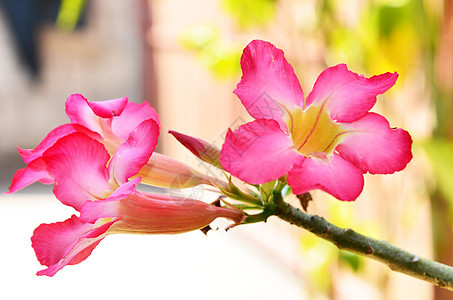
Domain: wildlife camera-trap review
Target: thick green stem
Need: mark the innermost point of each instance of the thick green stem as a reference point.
(347, 239)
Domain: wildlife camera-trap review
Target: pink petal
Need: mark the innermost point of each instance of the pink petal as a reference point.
(126, 189)
(57, 133)
(36, 170)
(269, 86)
(33, 172)
(87, 113)
(333, 175)
(66, 243)
(132, 116)
(91, 211)
(108, 108)
(258, 152)
(348, 96)
(107, 208)
(78, 165)
(375, 147)
(133, 154)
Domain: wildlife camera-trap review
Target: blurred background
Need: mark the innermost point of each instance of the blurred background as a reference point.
(183, 58)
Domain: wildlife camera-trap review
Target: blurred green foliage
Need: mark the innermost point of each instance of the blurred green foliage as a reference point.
(251, 13)
(214, 52)
(319, 257)
(387, 36)
(217, 53)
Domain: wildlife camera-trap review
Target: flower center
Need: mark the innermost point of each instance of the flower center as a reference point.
(313, 133)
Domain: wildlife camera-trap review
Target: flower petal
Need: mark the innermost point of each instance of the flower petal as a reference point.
(258, 152)
(375, 147)
(29, 155)
(333, 175)
(268, 87)
(348, 96)
(78, 165)
(133, 154)
(36, 169)
(132, 116)
(108, 108)
(33, 172)
(66, 243)
(87, 113)
(91, 211)
(126, 189)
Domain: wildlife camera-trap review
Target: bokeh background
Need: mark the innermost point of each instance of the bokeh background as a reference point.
(183, 58)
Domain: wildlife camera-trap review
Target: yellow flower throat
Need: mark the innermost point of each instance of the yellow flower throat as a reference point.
(312, 131)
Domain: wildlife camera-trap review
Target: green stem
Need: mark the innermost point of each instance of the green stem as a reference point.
(347, 239)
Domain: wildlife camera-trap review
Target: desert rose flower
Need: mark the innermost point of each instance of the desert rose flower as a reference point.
(326, 141)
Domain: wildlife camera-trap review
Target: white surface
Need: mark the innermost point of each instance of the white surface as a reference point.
(187, 266)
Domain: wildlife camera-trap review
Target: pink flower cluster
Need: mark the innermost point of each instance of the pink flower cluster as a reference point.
(95, 163)
(325, 141)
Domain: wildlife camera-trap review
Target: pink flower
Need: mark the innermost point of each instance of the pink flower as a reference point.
(97, 185)
(109, 122)
(326, 141)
